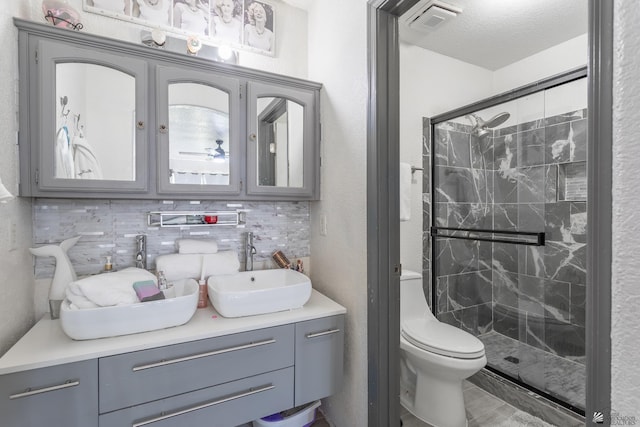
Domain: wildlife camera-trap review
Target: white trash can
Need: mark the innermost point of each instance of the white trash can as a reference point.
(301, 416)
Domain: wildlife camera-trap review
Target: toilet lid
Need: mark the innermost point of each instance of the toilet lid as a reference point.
(441, 338)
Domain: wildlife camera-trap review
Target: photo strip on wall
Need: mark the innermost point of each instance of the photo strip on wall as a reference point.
(240, 24)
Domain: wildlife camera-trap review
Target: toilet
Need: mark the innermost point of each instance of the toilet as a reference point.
(435, 358)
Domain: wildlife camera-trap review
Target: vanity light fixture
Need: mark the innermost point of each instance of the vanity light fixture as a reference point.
(193, 45)
(156, 38)
(225, 52)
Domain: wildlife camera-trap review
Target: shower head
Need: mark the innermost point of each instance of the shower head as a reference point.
(497, 120)
(482, 127)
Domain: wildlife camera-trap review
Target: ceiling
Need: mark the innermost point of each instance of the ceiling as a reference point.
(496, 33)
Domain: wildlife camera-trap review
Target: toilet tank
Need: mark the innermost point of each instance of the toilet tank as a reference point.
(413, 302)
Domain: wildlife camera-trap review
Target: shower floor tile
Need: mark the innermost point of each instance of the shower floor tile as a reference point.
(560, 377)
(483, 410)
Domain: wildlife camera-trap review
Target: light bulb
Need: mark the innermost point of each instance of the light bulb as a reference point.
(158, 36)
(225, 52)
(193, 45)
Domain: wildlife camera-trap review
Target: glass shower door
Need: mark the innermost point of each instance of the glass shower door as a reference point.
(509, 239)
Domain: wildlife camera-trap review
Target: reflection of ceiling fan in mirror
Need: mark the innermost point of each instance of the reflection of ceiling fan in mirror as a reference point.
(216, 154)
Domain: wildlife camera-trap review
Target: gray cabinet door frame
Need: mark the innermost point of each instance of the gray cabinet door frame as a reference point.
(49, 55)
(168, 75)
(311, 153)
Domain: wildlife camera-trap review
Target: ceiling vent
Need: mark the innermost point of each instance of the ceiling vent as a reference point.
(429, 15)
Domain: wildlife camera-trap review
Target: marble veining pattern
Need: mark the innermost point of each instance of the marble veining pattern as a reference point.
(524, 177)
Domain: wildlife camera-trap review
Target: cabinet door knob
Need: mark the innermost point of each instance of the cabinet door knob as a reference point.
(140, 124)
(253, 136)
(163, 128)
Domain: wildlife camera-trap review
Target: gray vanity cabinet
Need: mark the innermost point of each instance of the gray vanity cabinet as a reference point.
(225, 405)
(134, 378)
(319, 358)
(59, 396)
(220, 381)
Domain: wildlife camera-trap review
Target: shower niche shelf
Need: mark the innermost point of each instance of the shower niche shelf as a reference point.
(195, 218)
(572, 182)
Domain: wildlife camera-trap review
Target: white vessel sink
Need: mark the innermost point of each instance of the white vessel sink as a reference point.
(258, 292)
(91, 323)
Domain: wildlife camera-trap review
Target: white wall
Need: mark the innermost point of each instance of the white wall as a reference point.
(16, 267)
(338, 59)
(16, 263)
(625, 333)
(430, 84)
(557, 59)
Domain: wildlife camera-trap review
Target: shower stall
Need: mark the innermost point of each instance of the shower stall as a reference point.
(506, 236)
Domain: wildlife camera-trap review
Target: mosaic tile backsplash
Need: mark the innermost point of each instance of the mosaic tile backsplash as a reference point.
(109, 228)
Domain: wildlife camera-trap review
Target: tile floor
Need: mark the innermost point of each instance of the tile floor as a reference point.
(484, 410)
(555, 375)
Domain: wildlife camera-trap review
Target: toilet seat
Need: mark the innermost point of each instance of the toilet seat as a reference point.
(441, 338)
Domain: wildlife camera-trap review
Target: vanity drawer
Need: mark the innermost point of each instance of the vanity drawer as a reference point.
(224, 405)
(133, 378)
(319, 358)
(58, 396)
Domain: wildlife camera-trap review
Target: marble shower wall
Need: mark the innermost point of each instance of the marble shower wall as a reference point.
(109, 227)
(539, 291)
(528, 177)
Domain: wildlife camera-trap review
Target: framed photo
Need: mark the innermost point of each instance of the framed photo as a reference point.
(259, 25)
(240, 24)
(115, 8)
(156, 13)
(227, 21)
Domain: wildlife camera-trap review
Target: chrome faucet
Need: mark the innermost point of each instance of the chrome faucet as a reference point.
(141, 253)
(249, 252)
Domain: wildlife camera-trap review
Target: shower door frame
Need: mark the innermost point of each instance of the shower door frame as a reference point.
(382, 178)
(531, 88)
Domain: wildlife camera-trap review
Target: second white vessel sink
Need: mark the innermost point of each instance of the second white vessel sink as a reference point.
(258, 292)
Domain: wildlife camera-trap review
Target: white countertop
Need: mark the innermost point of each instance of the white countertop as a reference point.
(47, 345)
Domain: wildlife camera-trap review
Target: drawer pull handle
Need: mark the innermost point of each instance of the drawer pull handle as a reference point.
(201, 355)
(30, 392)
(249, 392)
(321, 334)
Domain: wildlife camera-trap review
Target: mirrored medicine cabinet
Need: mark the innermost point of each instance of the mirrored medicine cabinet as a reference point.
(103, 118)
